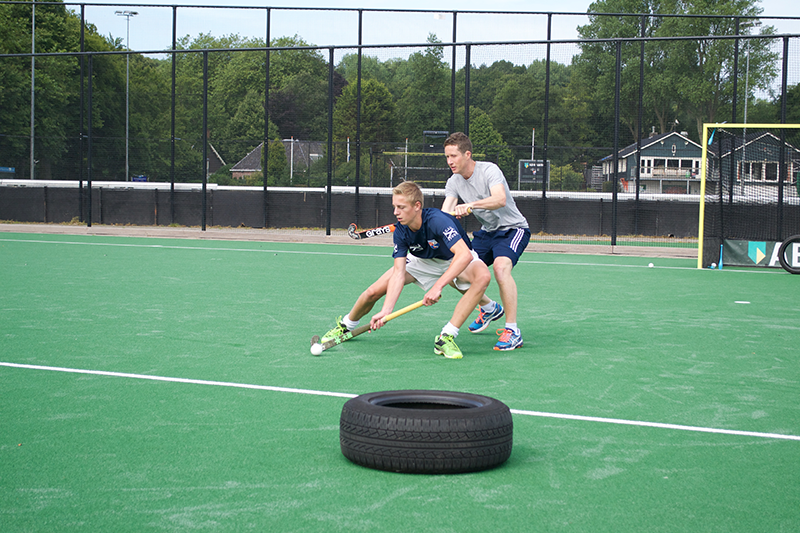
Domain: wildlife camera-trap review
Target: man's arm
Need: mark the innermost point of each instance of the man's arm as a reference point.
(495, 200)
(393, 290)
(460, 261)
(449, 205)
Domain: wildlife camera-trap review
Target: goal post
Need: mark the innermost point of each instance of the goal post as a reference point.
(749, 193)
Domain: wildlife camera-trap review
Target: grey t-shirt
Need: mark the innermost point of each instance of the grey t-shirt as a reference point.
(485, 176)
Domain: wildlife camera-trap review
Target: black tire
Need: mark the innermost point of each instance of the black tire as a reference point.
(426, 432)
(782, 254)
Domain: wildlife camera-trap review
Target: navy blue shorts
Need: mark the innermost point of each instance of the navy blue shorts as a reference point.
(506, 243)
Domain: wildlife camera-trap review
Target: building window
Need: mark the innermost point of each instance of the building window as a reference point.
(771, 172)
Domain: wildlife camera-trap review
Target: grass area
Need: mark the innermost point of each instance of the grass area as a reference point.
(157, 384)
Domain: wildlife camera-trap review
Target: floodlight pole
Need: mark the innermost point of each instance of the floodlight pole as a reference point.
(746, 98)
(33, 85)
(127, 14)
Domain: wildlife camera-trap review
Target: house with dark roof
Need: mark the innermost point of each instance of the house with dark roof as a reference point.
(669, 163)
(754, 157)
(248, 165)
(215, 161)
(299, 154)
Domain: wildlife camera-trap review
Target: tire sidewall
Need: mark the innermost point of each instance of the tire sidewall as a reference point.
(447, 433)
(782, 254)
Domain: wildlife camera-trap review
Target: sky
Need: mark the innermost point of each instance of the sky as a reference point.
(151, 29)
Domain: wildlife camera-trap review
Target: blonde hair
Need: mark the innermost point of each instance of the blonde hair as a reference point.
(411, 192)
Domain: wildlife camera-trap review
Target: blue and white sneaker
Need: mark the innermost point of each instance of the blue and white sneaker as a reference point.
(482, 322)
(508, 340)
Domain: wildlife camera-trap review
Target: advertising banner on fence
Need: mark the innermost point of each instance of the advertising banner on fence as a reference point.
(750, 253)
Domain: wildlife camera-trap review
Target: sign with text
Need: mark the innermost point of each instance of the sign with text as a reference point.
(532, 171)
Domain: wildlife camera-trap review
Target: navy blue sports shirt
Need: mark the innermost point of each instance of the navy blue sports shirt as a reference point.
(438, 233)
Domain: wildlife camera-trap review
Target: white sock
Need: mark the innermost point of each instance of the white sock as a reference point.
(450, 329)
(350, 324)
(490, 307)
(513, 327)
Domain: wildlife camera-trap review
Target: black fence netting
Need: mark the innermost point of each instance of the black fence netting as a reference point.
(598, 137)
(752, 194)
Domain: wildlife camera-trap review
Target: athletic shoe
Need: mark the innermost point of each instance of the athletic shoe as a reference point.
(482, 322)
(446, 345)
(338, 331)
(508, 340)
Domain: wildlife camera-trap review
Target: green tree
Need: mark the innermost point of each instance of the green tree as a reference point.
(425, 101)
(688, 80)
(56, 110)
(278, 168)
(595, 74)
(702, 67)
(566, 178)
(486, 139)
(377, 113)
(371, 68)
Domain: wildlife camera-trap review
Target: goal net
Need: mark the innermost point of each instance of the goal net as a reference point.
(426, 169)
(749, 194)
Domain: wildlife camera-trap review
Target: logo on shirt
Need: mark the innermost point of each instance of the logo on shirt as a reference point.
(450, 233)
(415, 248)
(433, 244)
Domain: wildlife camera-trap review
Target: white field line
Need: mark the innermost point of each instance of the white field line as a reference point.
(346, 395)
(201, 248)
(658, 425)
(381, 255)
(178, 380)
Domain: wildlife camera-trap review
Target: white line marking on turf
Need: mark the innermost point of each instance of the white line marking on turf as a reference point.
(201, 248)
(658, 425)
(346, 395)
(362, 254)
(178, 380)
(303, 252)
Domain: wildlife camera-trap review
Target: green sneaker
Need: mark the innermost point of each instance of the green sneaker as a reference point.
(446, 345)
(337, 331)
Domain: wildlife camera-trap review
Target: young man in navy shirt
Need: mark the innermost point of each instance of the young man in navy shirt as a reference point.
(432, 250)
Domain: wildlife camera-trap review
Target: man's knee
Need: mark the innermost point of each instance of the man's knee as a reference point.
(373, 294)
(502, 268)
(482, 277)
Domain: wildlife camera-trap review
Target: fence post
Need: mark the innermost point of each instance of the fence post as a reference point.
(468, 51)
(453, 82)
(358, 115)
(546, 177)
(328, 202)
(172, 123)
(639, 121)
(89, 150)
(265, 146)
(782, 171)
(205, 135)
(81, 118)
(617, 84)
(735, 74)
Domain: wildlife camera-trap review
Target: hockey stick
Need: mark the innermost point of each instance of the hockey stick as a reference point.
(365, 234)
(359, 330)
(354, 232)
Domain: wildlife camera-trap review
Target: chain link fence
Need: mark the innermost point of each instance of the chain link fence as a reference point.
(599, 137)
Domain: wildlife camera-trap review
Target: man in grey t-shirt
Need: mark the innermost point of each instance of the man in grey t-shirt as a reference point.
(504, 234)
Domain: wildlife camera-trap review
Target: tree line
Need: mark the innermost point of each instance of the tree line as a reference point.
(686, 83)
